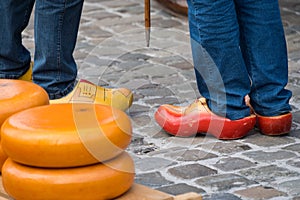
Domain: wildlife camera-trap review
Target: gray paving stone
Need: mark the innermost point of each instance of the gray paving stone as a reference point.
(168, 80)
(95, 1)
(164, 151)
(191, 171)
(137, 109)
(97, 62)
(118, 3)
(134, 56)
(99, 14)
(190, 155)
(226, 148)
(126, 23)
(169, 59)
(161, 134)
(221, 196)
(87, 8)
(141, 120)
(180, 188)
(159, 70)
(162, 44)
(224, 182)
(189, 142)
(109, 51)
(294, 163)
(269, 156)
(154, 90)
(295, 133)
(152, 163)
(183, 65)
(163, 100)
(296, 115)
(268, 174)
(139, 147)
(267, 141)
(96, 32)
(131, 9)
(153, 179)
(165, 23)
(292, 187)
(260, 192)
(293, 147)
(230, 164)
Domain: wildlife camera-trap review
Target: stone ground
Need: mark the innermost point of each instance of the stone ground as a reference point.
(111, 51)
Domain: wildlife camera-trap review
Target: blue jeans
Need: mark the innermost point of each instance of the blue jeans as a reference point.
(239, 49)
(55, 30)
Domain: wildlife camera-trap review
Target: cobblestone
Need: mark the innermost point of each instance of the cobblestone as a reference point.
(111, 51)
(231, 164)
(191, 171)
(224, 182)
(269, 157)
(153, 179)
(292, 187)
(268, 174)
(260, 192)
(180, 188)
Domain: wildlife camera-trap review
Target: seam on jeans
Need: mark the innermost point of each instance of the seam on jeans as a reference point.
(59, 41)
(251, 65)
(25, 17)
(24, 24)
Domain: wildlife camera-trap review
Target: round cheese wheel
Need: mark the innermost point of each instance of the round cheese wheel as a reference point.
(66, 135)
(17, 95)
(100, 181)
(3, 157)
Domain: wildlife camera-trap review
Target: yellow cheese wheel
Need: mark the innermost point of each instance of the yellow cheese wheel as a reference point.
(3, 157)
(99, 181)
(17, 95)
(66, 135)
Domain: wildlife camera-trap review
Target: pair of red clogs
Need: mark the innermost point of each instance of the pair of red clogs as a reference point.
(197, 118)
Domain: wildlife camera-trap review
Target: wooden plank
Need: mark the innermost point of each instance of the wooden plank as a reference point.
(188, 196)
(3, 194)
(140, 192)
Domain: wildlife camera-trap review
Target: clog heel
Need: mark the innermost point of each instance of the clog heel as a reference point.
(277, 125)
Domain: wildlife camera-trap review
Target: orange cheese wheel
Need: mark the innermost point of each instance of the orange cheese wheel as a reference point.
(3, 157)
(66, 135)
(100, 181)
(17, 95)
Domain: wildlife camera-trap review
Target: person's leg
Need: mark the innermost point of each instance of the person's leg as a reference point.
(221, 74)
(56, 28)
(14, 57)
(265, 54)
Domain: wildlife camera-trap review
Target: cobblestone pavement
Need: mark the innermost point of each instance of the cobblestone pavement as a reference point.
(111, 51)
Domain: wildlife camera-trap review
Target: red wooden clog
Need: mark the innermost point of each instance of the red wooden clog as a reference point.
(197, 118)
(277, 125)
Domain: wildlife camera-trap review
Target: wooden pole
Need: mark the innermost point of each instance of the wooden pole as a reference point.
(147, 21)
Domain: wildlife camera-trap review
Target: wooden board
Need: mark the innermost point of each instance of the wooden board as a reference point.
(140, 192)
(3, 195)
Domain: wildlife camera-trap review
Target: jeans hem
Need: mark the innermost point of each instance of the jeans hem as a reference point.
(62, 93)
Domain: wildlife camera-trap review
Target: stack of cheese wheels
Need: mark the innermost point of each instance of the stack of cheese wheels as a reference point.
(67, 151)
(15, 96)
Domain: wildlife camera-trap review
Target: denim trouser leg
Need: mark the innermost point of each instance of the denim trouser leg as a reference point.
(264, 49)
(243, 39)
(56, 27)
(221, 73)
(14, 57)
